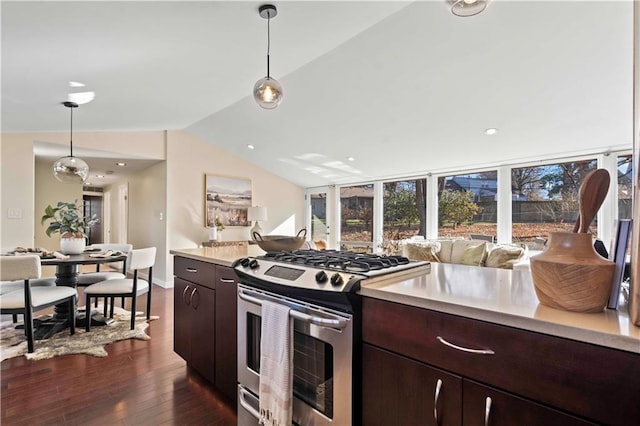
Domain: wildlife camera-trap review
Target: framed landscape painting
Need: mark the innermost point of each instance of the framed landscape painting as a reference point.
(227, 200)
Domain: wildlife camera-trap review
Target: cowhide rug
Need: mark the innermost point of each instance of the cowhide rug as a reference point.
(13, 343)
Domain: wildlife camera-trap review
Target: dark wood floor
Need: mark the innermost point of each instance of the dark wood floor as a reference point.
(139, 383)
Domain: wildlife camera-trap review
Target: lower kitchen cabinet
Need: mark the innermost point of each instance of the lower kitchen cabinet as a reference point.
(226, 331)
(530, 378)
(194, 326)
(400, 391)
(205, 318)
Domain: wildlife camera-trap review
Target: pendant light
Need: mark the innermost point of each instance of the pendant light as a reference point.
(71, 169)
(466, 8)
(267, 92)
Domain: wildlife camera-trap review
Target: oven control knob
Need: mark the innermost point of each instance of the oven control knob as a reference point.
(321, 277)
(336, 279)
(253, 264)
(245, 262)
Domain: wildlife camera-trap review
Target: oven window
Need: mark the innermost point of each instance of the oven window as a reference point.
(312, 366)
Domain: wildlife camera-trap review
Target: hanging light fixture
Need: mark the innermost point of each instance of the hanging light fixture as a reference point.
(267, 92)
(71, 169)
(466, 8)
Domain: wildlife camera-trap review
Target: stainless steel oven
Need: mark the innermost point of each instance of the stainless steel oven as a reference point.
(320, 289)
(322, 360)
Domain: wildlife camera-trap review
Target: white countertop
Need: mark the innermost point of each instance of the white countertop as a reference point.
(505, 297)
(224, 255)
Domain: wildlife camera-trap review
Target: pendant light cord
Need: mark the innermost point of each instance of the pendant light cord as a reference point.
(71, 133)
(268, 40)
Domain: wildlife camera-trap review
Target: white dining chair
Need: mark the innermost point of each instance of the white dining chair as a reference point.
(88, 278)
(139, 260)
(30, 299)
(9, 286)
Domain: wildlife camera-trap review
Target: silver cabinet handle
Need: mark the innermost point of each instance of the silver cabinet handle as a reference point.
(435, 401)
(463, 349)
(227, 280)
(487, 410)
(192, 270)
(243, 395)
(184, 296)
(193, 305)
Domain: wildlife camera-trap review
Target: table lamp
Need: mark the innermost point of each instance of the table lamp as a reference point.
(256, 213)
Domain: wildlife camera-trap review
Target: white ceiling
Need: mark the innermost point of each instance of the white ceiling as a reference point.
(404, 87)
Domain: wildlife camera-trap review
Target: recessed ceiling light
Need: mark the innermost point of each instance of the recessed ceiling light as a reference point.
(351, 159)
(491, 131)
(100, 176)
(81, 97)
(75, 84)
(121, 164)
(250, 146)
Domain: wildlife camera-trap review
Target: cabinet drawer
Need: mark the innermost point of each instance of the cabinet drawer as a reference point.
(591, 381)
(196, 271)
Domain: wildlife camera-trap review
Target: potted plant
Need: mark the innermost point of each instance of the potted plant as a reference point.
(67, 219)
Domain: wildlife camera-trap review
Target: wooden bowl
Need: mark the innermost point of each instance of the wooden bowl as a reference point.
(280, 242)
(571, 275)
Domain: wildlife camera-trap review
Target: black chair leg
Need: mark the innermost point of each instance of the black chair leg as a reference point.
(72, 314)
(106, 303)
(113, 304)
(28, 327)
(149, 305)
(133, 311)
(87, 326)
(122, 301)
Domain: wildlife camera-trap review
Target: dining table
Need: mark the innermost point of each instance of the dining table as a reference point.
(67, 270)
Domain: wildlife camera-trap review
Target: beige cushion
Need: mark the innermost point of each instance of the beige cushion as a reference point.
(94, 277)
(474, 255)
(446, 247)
(117, 286)
(504, 256)
(427, 250)
(458, 248)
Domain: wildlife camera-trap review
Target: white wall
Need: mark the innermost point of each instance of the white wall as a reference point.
(16, 191)
(189, 159)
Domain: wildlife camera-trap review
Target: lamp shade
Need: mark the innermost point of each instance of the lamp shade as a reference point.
(71, 170)
(257, 213)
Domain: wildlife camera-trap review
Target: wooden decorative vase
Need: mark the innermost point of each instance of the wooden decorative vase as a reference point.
(571, 275)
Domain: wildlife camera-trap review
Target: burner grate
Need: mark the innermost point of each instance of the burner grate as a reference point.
(338, 260)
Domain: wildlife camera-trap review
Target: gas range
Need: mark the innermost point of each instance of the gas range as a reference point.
(326, 270)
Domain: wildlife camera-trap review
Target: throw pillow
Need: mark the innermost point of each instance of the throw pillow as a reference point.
(474, 255)
(504, 257)
(423, 251)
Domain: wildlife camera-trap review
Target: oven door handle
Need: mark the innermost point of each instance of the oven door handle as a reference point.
(243, 395)
(339, 323)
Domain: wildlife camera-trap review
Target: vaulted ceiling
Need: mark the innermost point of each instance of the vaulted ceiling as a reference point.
(405, 88)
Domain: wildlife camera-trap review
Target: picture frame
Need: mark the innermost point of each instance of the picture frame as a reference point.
(226, 200)
(619, 255)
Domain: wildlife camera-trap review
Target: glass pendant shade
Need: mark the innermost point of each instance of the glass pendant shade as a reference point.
(267, 93)
(466, 8)
(71, 170)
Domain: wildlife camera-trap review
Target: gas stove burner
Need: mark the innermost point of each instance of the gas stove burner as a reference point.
(338, 260)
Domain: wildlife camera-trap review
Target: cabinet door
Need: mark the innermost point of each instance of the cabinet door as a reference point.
(400, 391)
(182, 318)
(202, 304)
(226, 331)
(484, 406)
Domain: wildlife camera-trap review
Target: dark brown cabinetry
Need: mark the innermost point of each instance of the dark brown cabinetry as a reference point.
(530, 378)
(205, 311)
(226, 331)
(194, 315)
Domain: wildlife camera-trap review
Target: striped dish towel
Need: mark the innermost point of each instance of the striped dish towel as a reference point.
(276, 365)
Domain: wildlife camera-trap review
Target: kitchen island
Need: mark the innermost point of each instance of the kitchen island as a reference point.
(472, 345)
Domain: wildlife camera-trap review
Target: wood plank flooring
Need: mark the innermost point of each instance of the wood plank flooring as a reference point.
(139, 383)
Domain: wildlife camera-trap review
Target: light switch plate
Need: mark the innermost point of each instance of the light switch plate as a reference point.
(14, 213)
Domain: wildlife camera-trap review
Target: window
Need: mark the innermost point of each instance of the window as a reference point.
(467, 205)
(545, 199)
(356, 221)
(625, 186)
(404, 214)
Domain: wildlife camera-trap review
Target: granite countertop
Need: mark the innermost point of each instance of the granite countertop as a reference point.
(505, 297)
(224, 255)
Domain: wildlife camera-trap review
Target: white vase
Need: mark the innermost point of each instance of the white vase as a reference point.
(72, 245)
(213, 234)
